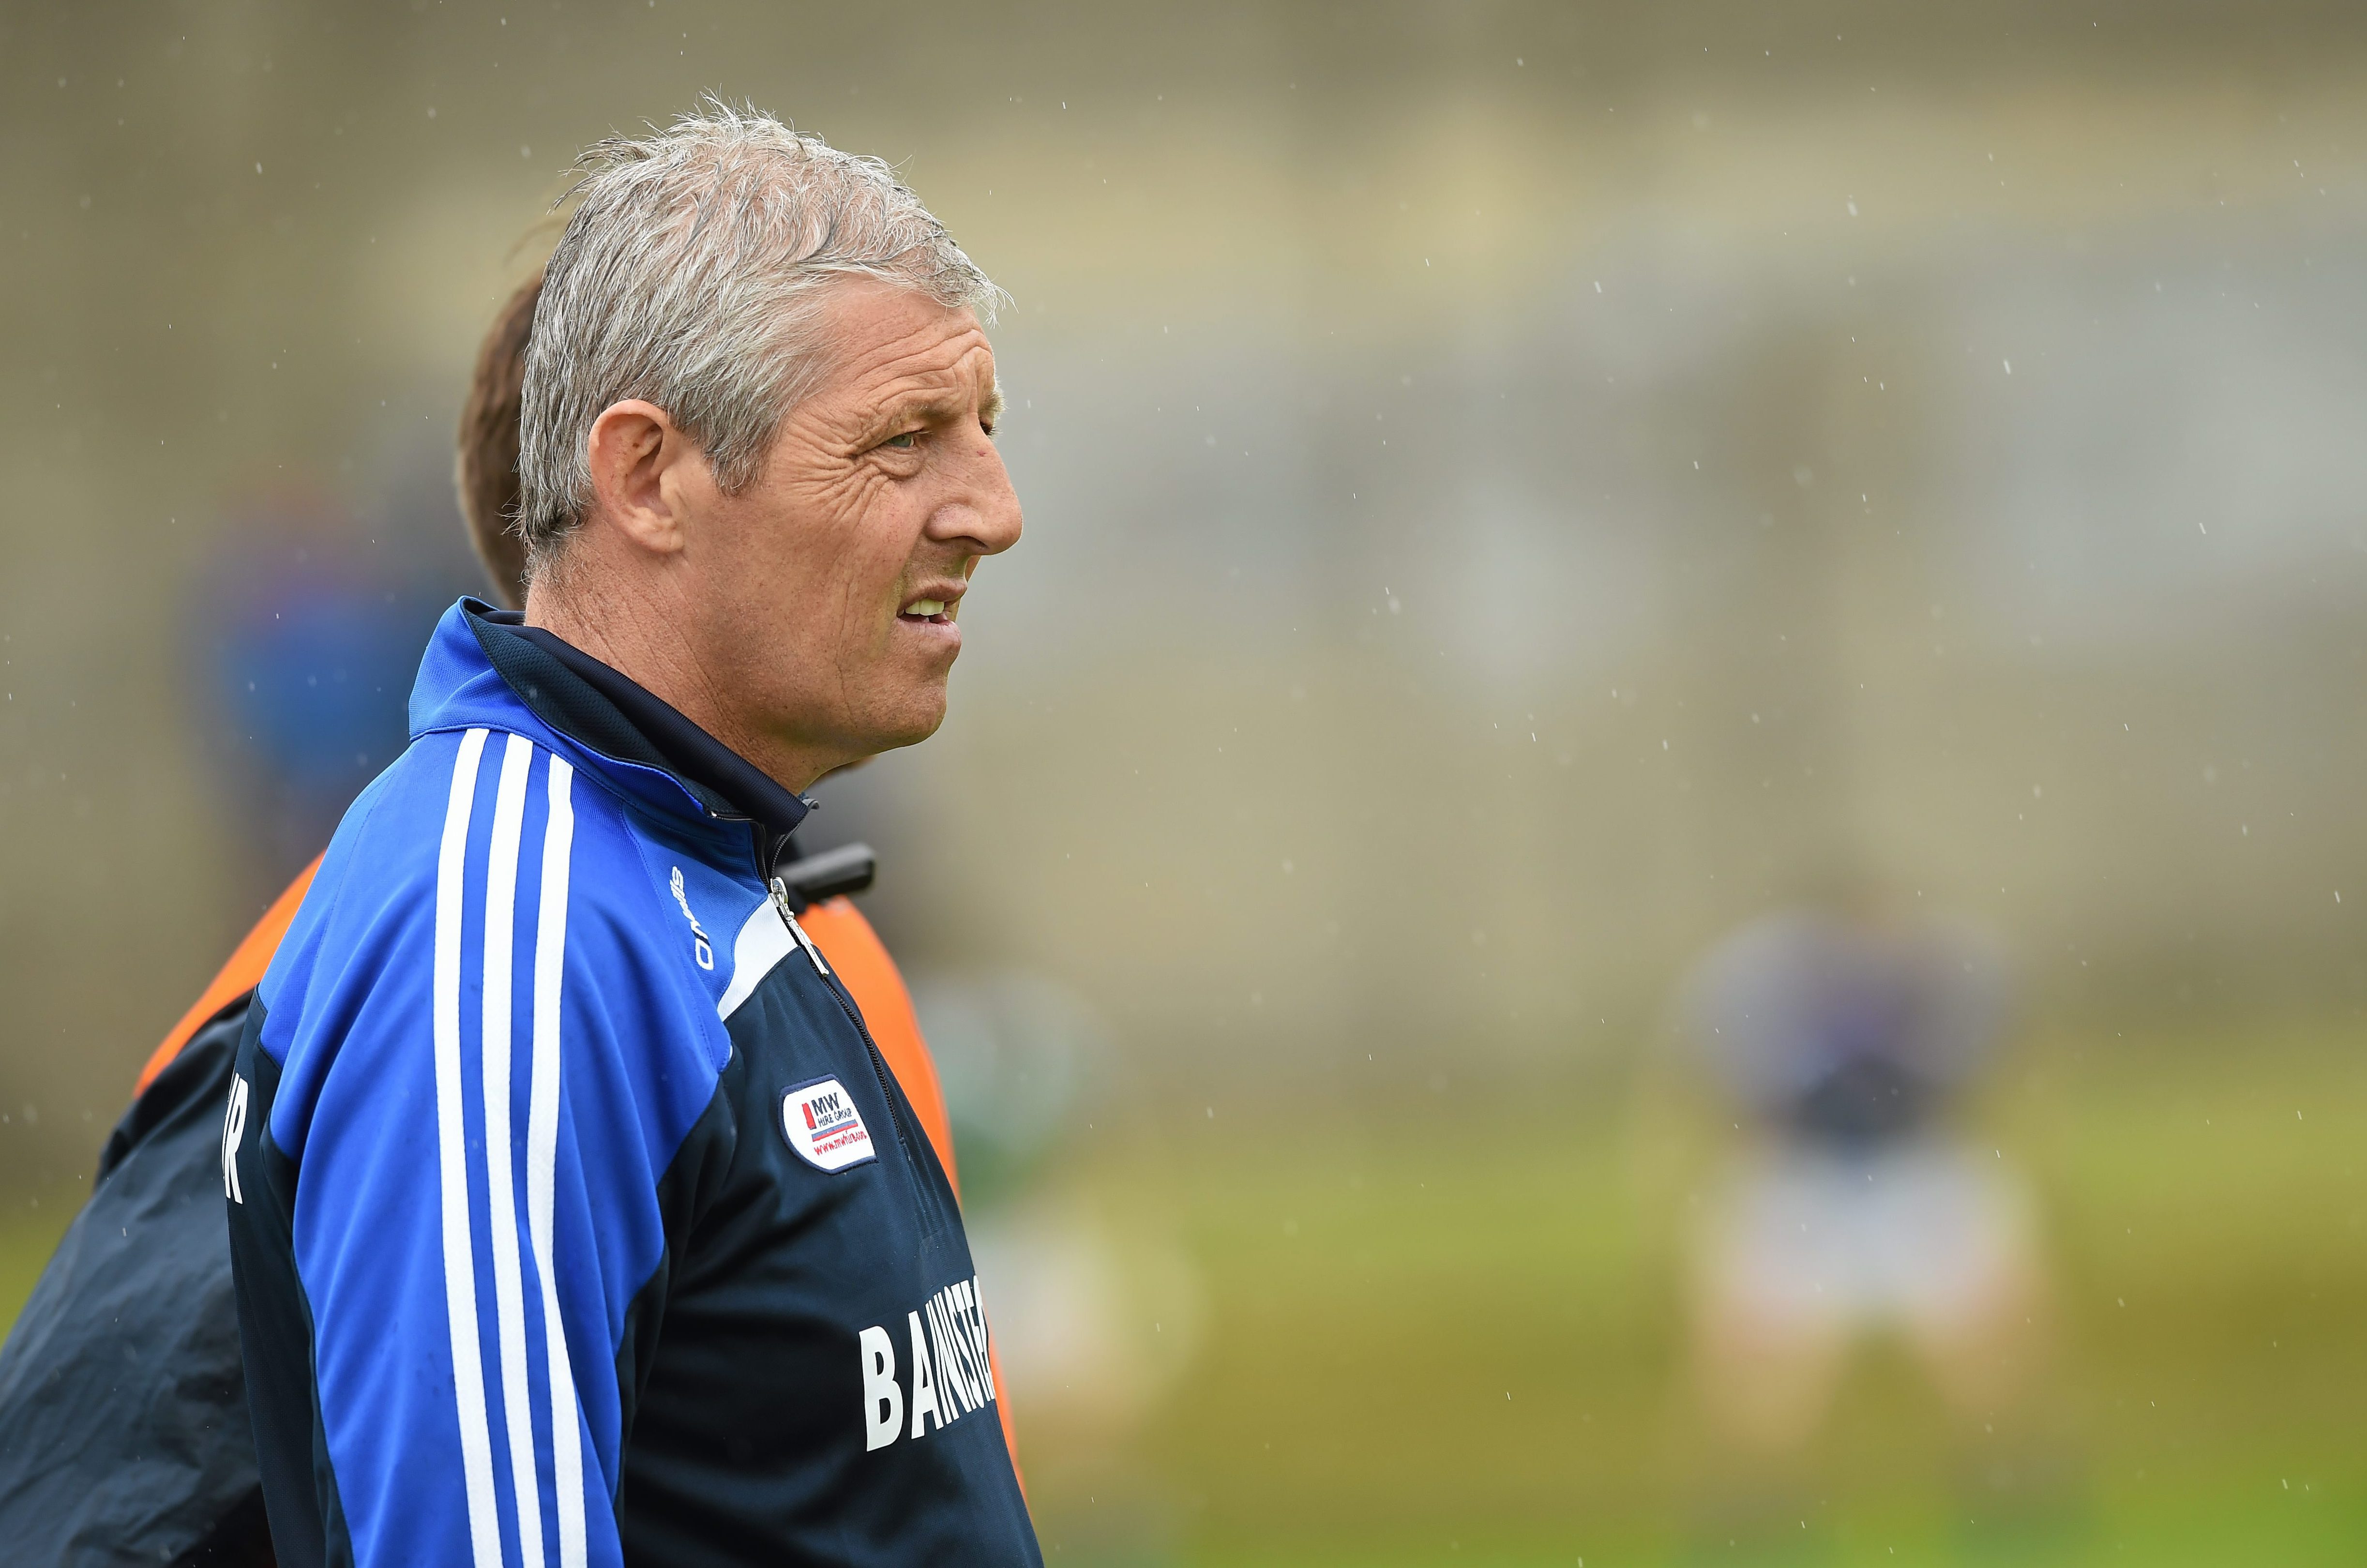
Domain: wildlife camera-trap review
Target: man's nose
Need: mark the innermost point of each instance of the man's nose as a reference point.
(986, 515)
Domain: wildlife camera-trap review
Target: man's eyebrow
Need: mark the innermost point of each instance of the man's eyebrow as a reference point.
(944, 405)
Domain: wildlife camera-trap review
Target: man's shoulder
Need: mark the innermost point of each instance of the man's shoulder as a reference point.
(462, 817)
(482, 864)
(465, 791)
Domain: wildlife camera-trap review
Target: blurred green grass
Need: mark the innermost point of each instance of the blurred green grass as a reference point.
(1451, 1332)
(28, 1234)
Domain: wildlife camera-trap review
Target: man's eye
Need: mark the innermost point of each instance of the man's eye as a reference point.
(904, 443)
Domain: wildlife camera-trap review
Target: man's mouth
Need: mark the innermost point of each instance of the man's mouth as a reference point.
(936, 612)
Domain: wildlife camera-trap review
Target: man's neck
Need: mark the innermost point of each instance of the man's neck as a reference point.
(622, 631)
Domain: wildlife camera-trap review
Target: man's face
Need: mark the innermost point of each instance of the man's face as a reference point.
(838, 575)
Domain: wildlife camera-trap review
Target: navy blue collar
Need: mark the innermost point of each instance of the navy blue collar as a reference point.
(604, 709)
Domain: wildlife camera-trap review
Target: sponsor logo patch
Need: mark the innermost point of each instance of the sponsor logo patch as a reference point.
(823, 1125)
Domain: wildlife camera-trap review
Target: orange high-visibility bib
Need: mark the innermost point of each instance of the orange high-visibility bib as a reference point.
(240, 975)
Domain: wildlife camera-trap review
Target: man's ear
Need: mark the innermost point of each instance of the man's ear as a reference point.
(635, 448)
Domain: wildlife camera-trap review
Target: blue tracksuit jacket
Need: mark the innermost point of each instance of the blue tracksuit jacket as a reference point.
(575, 1217)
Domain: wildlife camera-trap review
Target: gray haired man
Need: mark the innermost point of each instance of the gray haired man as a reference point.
(575, 1216)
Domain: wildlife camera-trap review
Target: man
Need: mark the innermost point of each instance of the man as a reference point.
(485, 476)
(1847, 1033)
(574, 1214)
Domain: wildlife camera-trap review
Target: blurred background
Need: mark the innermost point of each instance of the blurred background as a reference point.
(1656, 855)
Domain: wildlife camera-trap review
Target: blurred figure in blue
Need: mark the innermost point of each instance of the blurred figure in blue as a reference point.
(1847, 1035)
(307, 638)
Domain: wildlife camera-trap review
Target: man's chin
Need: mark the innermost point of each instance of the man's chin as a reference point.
(908, 725)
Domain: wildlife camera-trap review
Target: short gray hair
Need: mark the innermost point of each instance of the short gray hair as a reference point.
(690, 276)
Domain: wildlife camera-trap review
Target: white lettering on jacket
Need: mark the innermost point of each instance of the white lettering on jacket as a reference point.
(233, 1129)
(701, 949)
(950, 1374)
(883, 1401)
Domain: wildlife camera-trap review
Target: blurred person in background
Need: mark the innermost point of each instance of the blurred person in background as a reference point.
(1848, 1032)
(307, 637)
(1099, 1302)
(123, 1426)
(715, 1299)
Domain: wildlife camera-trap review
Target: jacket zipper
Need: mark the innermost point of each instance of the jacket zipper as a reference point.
(781, 903)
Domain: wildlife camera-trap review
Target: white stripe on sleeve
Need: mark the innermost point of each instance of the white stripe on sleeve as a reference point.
(541, 1157)
(501, 1181)
(452, 1169)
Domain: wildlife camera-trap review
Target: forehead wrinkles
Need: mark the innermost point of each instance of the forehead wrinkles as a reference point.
(926, 366)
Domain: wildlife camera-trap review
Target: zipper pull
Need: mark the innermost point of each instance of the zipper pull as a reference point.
(781, 903)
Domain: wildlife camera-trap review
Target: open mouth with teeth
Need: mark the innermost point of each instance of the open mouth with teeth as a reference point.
(935, 612)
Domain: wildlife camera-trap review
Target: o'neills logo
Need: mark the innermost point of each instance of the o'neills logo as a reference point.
(823, 1125)
(949, 1375)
